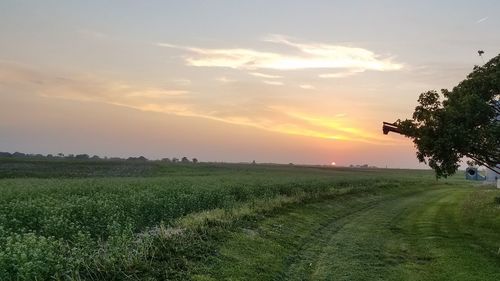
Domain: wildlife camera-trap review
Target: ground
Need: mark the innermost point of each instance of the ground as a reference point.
(95, 220)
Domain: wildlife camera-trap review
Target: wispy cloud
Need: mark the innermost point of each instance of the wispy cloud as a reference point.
(274, 83)
(224, 79)
(308, 55)
(86, 87)
(341, 74)
(307, 87)
(331, 128)
(482, 19)
(265, 115)
(263, 75)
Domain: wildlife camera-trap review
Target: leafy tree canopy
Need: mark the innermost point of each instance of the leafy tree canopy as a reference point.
(463, 122)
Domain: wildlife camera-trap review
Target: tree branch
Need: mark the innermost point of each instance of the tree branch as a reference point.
(482, 163)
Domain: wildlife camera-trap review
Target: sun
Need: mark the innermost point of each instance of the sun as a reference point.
(333, 164)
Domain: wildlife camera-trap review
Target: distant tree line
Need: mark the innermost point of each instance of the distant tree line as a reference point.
(62, 156)
(182, 160)
(362, 166)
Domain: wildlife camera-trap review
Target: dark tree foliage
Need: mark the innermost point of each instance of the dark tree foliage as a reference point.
(459, 123)
(82, 156)
(138, 159)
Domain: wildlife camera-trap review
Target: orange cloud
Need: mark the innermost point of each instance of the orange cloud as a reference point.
(265, 115)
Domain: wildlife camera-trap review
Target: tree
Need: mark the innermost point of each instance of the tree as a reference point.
(138, 159)
(463, 122)
(185, 160)
(18, 155)
(195, 160)
(5, 154)
(82, 156)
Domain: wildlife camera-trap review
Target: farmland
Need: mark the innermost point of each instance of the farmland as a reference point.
(105, 220)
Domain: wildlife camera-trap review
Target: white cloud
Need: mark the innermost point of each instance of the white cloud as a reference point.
(309, 56)
(341, 74)
(336, 75)
(274, 83)
(482, 19)
(307, 87)
(224, 79)
(263, 75)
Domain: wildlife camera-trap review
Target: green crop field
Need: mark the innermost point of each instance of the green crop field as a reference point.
(117, 220)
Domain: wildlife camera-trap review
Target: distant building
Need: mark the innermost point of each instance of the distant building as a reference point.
(493, 176)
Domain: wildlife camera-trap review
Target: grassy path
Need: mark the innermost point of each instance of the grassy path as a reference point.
(438, 233)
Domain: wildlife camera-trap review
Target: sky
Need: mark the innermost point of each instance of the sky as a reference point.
(306, 82)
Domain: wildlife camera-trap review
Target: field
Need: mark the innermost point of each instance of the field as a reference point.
(117, 220)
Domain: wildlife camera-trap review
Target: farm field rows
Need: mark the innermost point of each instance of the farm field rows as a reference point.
(154, 221)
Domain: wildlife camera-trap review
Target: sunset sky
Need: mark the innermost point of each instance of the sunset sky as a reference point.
(272, 81)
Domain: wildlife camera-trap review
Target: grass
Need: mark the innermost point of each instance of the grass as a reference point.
(441, 232)
(154, 221)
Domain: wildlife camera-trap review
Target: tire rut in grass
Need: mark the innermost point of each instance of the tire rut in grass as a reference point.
(314, 259)
(279, 242)
(413, 235)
